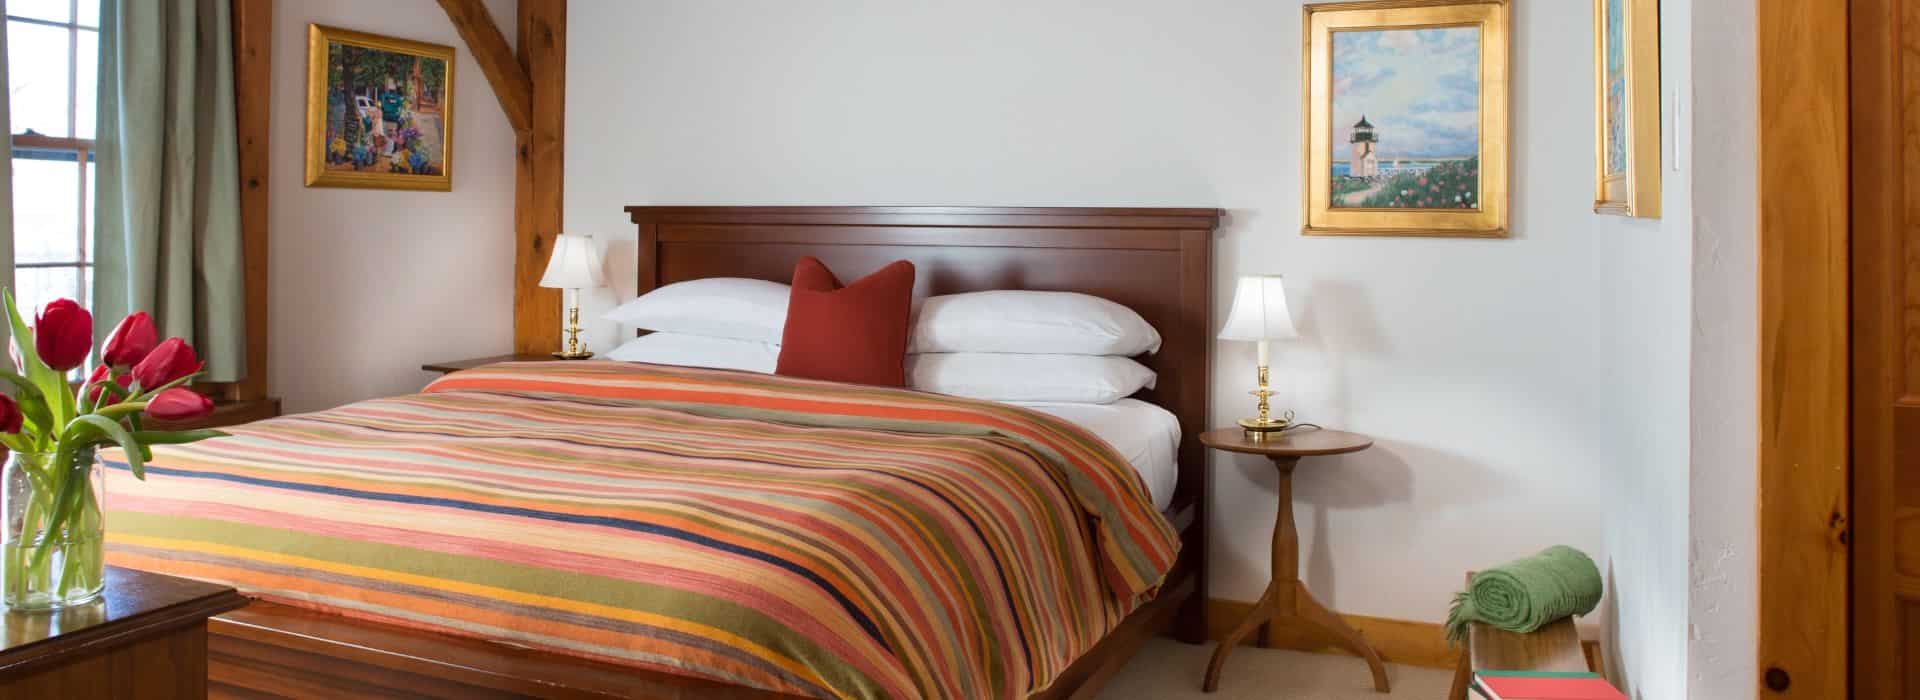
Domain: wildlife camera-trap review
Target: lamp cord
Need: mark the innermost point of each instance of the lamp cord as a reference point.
(1295, 426)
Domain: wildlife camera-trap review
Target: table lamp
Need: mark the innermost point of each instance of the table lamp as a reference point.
(575, 265)
(1260, 314)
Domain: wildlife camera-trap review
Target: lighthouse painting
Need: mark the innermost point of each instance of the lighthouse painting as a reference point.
(1406, 119)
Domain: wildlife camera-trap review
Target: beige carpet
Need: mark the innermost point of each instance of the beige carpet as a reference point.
(1169, 670)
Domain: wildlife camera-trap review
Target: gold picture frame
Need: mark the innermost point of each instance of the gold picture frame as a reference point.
(1449, 133)
(1626, 153)
(374, 119)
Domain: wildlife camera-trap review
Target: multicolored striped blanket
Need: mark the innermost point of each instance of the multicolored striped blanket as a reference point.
(799, 536)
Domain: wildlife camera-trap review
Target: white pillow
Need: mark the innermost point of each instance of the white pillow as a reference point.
(1013, 377)
(720, 307)
(1018, 321)
(699, 351)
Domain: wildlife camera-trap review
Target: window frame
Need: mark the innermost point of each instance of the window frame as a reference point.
(82, 150)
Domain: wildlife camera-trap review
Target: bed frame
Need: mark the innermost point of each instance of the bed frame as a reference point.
(1156, 261)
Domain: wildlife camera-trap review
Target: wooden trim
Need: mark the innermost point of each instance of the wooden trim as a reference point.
(51, 143)
(253, 117)
(1406, 642)
(539, 173)
(1880, 96)
(1803, 470)
(497, 61)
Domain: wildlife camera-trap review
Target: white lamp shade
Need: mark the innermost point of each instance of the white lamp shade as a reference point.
(575, 264)
(1259, 311)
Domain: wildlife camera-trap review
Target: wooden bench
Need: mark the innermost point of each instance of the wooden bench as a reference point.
(1555, 647)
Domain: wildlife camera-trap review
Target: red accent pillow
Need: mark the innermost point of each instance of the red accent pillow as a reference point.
(856, 333)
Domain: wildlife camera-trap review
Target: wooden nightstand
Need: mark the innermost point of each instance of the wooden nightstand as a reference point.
(457, 365)
(1286, 600)
(146, 637)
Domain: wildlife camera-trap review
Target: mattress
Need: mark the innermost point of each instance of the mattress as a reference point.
(1148, 436)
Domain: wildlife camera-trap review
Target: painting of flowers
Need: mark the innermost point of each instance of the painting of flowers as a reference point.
(379, 111)
(1406, 118)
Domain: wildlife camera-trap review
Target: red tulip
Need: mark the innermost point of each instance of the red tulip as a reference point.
(63, 334)
(179, 403)
(131, 340)
(97, 380)
(171, 360)
(10, 418)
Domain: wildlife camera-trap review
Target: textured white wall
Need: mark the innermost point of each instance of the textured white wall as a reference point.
(1726, 413)
(1650, 317)
(1484, 367)
(368, 284)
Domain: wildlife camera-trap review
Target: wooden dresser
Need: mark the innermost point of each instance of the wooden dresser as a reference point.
(146, 638)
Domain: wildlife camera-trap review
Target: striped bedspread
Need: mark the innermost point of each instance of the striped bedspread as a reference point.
(804, 537)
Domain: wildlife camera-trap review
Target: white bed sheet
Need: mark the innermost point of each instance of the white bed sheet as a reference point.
(1148, 436)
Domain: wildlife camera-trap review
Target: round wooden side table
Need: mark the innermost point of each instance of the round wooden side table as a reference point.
(1286, 600)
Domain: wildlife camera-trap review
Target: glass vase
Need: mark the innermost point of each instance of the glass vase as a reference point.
(54, 554)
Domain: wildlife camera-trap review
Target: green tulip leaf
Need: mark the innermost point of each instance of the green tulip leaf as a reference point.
(33, 405)
(106, 430)
(52, 385)
(175, 437)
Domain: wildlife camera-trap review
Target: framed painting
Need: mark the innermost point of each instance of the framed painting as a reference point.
(1406, 118)
(1626, 59)
(379, 111)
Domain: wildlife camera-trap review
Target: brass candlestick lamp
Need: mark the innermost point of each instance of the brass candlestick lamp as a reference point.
(575, 265)
(1260, 314)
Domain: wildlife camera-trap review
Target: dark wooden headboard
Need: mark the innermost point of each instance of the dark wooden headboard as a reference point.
(1159, 262)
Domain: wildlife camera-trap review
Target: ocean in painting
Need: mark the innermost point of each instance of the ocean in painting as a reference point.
(1406, 118)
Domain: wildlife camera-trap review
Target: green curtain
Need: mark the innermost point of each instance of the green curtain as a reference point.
(167, 238)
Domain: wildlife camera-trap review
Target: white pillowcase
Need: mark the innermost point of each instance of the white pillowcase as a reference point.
(719, 307)
(1019, 321)
(1015, 377)
(699, 351)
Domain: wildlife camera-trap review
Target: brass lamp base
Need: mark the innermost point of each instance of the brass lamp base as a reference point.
(1258, 428)
(574, 351)
(1255, 425)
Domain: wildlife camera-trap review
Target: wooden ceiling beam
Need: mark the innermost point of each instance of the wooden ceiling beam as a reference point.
(503, 70)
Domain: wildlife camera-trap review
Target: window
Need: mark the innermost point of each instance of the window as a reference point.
(53, 49)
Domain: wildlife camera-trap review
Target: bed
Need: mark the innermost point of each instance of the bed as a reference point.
(311, 635)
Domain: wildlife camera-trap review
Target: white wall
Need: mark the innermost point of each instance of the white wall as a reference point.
(1726, 414)
(1650, 315)
(368, 284)
(1482, 366)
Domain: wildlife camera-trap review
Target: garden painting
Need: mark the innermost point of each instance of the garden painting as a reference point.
(1406, 118)
(379, 111)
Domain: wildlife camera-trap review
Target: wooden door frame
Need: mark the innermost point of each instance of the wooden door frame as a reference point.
(1804, 217)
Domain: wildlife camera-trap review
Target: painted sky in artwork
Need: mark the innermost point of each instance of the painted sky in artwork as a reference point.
(1420, 88)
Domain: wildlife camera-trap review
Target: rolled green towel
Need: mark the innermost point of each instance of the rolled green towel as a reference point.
(1524, 595)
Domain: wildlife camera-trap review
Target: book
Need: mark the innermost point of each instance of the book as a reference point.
(1543, 685)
